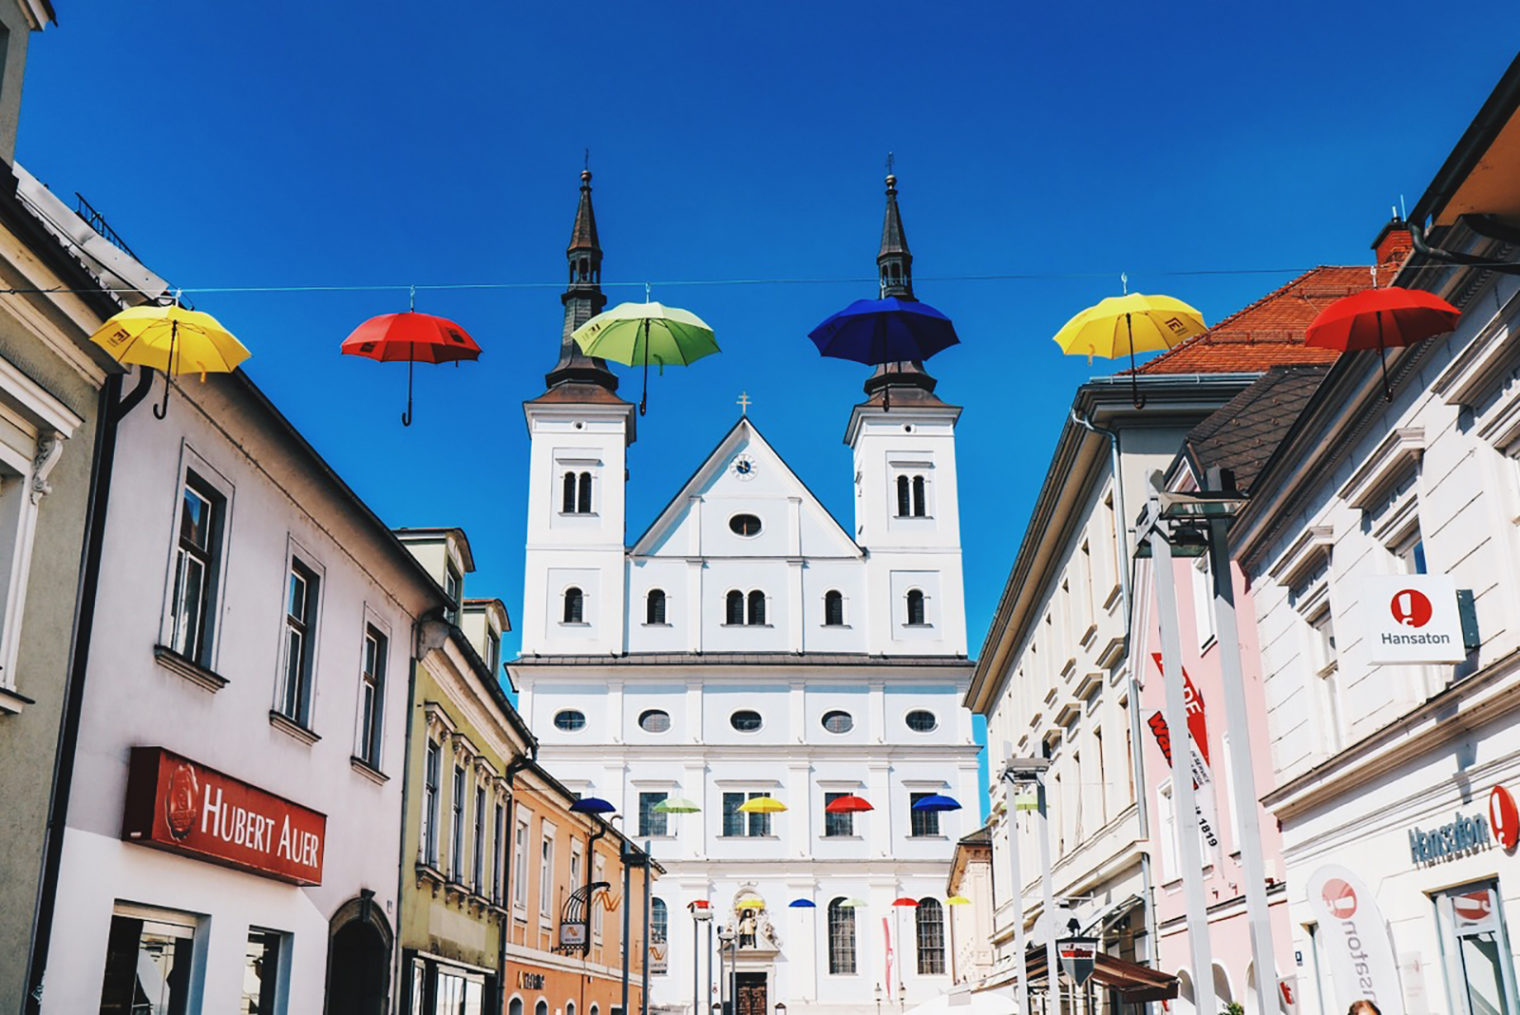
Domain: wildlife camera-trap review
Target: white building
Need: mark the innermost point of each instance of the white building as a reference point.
(747, 645)
(1399, 772)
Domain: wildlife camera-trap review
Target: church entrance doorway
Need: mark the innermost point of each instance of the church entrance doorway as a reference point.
(751, 990)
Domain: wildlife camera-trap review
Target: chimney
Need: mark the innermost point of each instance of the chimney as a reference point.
(1392, 248)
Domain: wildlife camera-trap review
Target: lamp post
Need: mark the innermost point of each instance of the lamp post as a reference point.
(1024, 774)
(701, 913)
(878, 999)
(726, 939)
(902, 1002)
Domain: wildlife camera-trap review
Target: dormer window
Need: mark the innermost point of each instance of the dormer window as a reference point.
(576, 494)
(453, 587)
(493, 650)
(575, 606)
(654, 607)
(833, 608)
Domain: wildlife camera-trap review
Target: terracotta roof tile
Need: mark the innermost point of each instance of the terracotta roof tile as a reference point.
(1267, 333)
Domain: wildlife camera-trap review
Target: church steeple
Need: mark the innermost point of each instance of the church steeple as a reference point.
(583, 299)
(894, 266)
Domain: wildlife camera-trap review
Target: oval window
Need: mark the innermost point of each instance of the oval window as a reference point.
(744, 525)
(920, 721)
(745, 720)
(654, 720)
(838, 722)
(569, 720)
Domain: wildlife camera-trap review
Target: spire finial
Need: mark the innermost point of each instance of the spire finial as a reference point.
(891, 177)
(586, 169)
(583, 298)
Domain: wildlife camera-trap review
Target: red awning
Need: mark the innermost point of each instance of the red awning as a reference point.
(1133, 982)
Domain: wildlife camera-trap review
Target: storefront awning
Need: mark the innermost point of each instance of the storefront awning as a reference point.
(1132, 982)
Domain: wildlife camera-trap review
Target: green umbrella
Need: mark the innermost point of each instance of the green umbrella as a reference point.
(676, 805)
(634, 333)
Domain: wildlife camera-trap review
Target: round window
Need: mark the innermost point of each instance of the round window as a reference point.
(654, 721)
(745, 525)
(569, 720)
(920, 721)
(838, 722)
(745, 720)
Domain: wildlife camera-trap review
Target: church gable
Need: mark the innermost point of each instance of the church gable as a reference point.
(743, 501)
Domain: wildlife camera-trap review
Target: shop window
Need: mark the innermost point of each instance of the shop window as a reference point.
(1480, 977)
(197, 564)
(261, 972)
(150, 959)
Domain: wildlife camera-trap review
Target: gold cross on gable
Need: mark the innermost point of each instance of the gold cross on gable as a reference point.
(744, 402)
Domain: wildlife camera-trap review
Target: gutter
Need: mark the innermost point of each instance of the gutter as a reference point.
(519, 763)
(112, 409)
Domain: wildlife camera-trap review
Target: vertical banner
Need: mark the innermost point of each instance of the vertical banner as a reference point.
(1356, 942)
(1198, 755)
(886, 941)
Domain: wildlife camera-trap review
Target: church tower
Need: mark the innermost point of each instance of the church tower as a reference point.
(907, 511)
(580, 431)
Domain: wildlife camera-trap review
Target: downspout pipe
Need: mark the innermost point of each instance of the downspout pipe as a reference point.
(1483, 227)
(519, 763)
(111, 409)
(1132, 686)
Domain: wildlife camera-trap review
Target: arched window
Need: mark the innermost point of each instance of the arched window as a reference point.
(841, 938)
(920, 502)
(929, 919)
(735, 612)
(833, 608)
(583, 498)
(514, 1008)
(569, 1008)
(567, 503)
(757, 607)
(659, 921)
(654, 609)
(915, 607)
(541, 1008)
(575, 606)
(903, 503)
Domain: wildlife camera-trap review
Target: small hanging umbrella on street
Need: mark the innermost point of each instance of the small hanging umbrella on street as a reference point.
(676, 805)
(1379, 318)
(957, 900)
(171, 340)
(749, 901)
(644, 333)
(762, 805)
(889, 330)
(937, 802)
(853, 903)
(1129, 324)
(414, 337)
(905, 902)
(592, 805)
(848, 805)
(802, 904)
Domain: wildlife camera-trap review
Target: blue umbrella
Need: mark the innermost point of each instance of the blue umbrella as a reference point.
(937, 802)
(888, 330)
(591, 805)
(802, 904)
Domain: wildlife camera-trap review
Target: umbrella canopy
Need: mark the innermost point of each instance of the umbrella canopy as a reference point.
(591, 805)
(802, 904)
(937, 802)
(171, 340)
(635, 333)
(1380, 318)
(888, 330)
(853, 903)
(762, 805)
(848, 805)
(676, 805)
(413, 337)
(957, 900)
(905, 901)
(1128, 324)
(749, 902)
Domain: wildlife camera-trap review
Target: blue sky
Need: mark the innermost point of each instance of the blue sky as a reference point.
(290, 144)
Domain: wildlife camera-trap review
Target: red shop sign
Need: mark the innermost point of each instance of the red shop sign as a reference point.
(178, 805)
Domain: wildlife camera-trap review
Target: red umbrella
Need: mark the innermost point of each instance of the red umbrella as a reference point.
(905, 901)
(848, 805)
(412, 337)
(1380, 318)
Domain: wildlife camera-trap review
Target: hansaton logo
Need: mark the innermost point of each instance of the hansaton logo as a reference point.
(182, 801)
(1473, 907)
(1504, 818)
(1411, 608)
(1340, 899)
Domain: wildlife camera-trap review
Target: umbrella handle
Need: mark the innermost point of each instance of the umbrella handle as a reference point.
(1134, 382)
(1383, 358)
(406, 417)
(162, 408)
(644, 396)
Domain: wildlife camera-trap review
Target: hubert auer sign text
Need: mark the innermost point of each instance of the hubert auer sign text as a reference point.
(1411, 618)
(178, 805)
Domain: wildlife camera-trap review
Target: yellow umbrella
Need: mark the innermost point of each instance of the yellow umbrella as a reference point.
(762, 805)
(957, 900)
(1129, 324)
(750, 902)
(171, 340)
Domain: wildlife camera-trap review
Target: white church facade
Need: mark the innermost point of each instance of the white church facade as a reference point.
(749, 645)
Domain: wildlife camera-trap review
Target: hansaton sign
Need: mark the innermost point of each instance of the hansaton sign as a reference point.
(178, 805)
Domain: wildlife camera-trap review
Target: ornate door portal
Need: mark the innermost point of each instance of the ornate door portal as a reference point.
(751, 990)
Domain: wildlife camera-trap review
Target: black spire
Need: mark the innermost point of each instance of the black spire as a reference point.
(583, 300)
(894, 265)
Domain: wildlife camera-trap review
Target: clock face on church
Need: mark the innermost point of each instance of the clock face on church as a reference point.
(743, 467)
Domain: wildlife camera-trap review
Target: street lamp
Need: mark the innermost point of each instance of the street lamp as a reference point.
(902, 1000)
(780, 1008)
(878, 999)
(1026, 778)
(726, 939)
(701, 913)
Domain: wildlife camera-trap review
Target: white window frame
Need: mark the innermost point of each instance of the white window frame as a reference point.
(520, 836)
(190, 461)
(296, 555)
(546, 873)
(382, 685)
(1203, 602)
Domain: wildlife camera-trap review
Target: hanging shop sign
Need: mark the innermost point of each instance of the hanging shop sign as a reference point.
(1504, 818)
(1077, 957)
(1411, 618)
(1357, 946)
(1198, 754)
(181, 806)
(572, 935)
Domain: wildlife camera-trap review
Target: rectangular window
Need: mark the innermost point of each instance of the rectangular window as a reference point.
(498, 823)
(431, 784)
(493, 653)
(478, 858)
(841, 939)
(456, 826)
(301, 595)
(197, 557)
(1325, 661)
(546, 877)
(922, 822)
(1102, 786)
(520, 866)
(1480, 978)
(453, 587)
(598, 873)
(150, 963)
(651, 821)
(1203, 601)
(836, 825)
(575, 865)
(371, 697)
(737, 823)
(261, 973)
